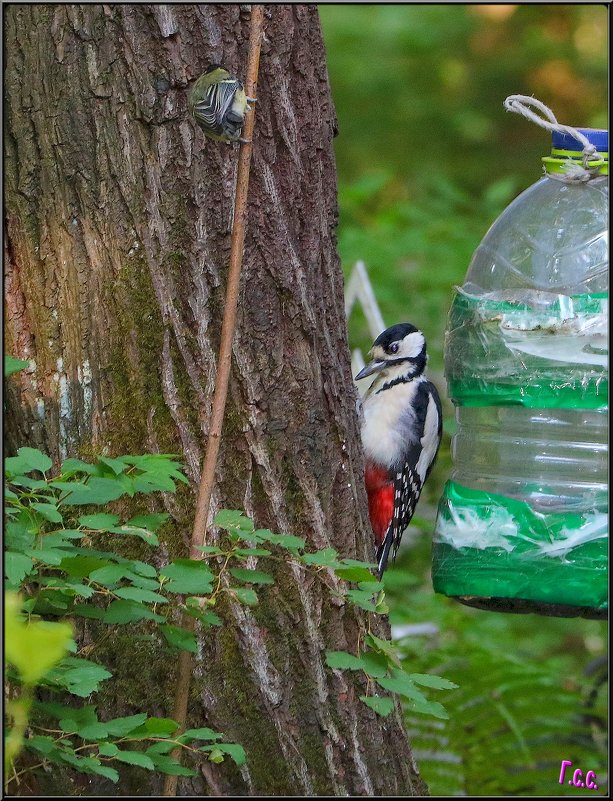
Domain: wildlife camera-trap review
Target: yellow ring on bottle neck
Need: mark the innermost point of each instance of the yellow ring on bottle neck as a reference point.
(557, 162)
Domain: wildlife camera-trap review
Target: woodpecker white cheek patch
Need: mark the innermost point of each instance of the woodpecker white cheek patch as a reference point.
(411, 346)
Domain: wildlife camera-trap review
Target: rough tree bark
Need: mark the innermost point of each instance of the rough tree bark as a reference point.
(118, 215)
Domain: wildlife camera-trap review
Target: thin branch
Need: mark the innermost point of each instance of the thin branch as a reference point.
(223, 364)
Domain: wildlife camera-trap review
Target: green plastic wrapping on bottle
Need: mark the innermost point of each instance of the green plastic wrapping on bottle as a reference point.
(529, 352)
(488, 545)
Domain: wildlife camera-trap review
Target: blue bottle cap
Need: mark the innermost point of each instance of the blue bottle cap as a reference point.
(597, 136)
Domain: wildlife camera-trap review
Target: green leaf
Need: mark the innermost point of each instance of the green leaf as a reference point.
(49, 511)
(44, 487)
(426, 707)
(436, 682)
(79, 676)
(144, 583)
(81, 566)
(327, 557)
(14, 467)
(359, 563)
(166, 764)
(19, 533)
(232, 520)
(189, 576)
(156, 466)
(35, 459)
(200, 734)
(78, 466)
(288, 541)
(72, 588)
(143, 568)
(104, 770)
(399, 682)
(383, 646)
(151, 522)
(135, 758)
(88, 611)
(109, 575)
(99, 522)
(371, 586)
(43, 745)
(180, 638)
(361, 599)
(116, 465)
(16, 567)
(144, 534)
(32, 647)
(119, 727)
(382, 706)
(138, 594)
(251, 576)
(84, 722)
(233, 750)
(13, 365)
(161, 748)
(55, 539)
(48, 556)
(245, 595)
(375, 664)
(154, 727)
(129, 612)
(211, 619)
(355, 574)
(250, 552)
(154, 482)
(381, 606)
(107, 749)
(210, 550)
(343, 660)
(215, 755)
(96, 491)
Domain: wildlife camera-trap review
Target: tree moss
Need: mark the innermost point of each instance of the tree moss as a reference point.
(135, 388)
(143, 671)
(255, 732)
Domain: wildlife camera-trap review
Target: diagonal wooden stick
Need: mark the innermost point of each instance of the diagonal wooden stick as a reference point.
(223, 364)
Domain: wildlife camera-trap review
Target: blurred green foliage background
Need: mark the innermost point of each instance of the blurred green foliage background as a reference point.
(427, 156)
(427, 159)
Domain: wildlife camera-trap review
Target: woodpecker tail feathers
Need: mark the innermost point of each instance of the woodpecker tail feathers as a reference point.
(383, 552)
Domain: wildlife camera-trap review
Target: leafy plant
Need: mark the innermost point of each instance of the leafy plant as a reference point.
(376, 657)
(67, 565)
(63, 558)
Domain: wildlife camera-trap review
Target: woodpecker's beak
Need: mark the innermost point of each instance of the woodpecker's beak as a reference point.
(371, 368)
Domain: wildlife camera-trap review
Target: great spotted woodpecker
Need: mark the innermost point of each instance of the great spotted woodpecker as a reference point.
(401, 433)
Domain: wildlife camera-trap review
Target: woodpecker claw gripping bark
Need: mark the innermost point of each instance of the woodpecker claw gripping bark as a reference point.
(401, 433)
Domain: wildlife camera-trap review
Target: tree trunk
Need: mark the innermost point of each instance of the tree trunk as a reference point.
(118, 215)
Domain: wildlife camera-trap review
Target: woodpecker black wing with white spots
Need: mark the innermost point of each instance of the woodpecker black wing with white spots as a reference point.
(411, 474)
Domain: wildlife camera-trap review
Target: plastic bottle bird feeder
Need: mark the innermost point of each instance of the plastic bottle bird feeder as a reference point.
(523, 522)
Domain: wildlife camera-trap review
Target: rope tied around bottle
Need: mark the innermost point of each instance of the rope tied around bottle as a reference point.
(573, 172)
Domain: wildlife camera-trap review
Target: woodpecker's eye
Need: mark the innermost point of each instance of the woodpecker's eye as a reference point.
(394, 347)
